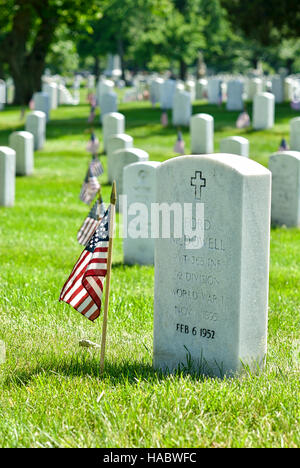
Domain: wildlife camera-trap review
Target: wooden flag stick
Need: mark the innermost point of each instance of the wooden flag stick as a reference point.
(113, 199)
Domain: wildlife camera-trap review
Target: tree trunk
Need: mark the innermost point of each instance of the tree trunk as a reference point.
(120, 46)
(182, 70)
(97, 68)
(26, 65)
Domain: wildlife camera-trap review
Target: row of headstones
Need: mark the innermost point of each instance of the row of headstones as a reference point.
(51, 96)
(235, 91)
(263, 110)
(211, 292)
(211, 284)
(18, 157)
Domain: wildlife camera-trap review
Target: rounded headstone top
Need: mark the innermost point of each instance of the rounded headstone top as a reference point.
(239, 164)
(238, 139)
(143, 164)
(37, 114)
(265, 95)
(295, 120)
(202, 116)
(114, 115)
(7, 151)
(23, 134)
(288, 153)
(121, 136)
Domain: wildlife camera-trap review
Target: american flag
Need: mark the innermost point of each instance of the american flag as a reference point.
(96, 166)
(91, 222)
(93, 144)
(164, 118)
(84, 288)
(179, 145)
(89, 188)
(243, 120)
(283, 145)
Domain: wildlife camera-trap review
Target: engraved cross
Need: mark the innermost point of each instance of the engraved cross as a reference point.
(198, 182)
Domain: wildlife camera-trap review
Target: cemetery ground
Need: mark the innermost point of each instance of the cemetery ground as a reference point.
(51, 392)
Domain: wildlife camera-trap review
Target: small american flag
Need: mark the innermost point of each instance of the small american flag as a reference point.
(283, 145)
(179, 145)
(92, 115)
(243, 120)
(164, 119)
(91, 222)
(96, 166)
(84, 288)
(89, 188)
(93, 144)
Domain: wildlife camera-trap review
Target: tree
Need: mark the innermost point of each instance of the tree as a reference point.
(27, 32)
(265, 21)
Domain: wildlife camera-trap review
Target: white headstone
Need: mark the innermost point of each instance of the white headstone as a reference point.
(36, 124)
(167, 94)
(139, 186)
(122, 158)
(201, 89)
(213, 90)
(277, 88)
(114, 143)
(52, 90)
(182, 109)
(190, 86)
(108, 104)
(211, 279)
(295, 134)
(2, 94)
(235, 145)
(263, 111)
(285, 168)
(112, 124)
(202, 134)
(255, 87)
(235, 89)
(7, 176)
(104, 87)
(42, 103)
(156, 90)
(23, 144)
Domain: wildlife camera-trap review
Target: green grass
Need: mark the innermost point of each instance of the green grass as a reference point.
(51, 392)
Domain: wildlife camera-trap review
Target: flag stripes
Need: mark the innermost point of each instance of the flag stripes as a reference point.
(84, 288)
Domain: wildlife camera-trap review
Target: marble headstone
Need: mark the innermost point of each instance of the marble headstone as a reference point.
(235, 89)
(285, 168)
(167, 94)
(36, 124)
(139, 186)
(42, 103)
(295, 134)
(182, 109)
(213, 90)
(23, 144)
(114, 143)
(202, 134)
(211, 279)
(263, 111)
(120, 159)
(108, 104)
(7, 176)
(52, 90)
(235, 145)
(112, 124)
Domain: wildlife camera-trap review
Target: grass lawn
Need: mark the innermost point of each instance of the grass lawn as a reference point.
(51, 393)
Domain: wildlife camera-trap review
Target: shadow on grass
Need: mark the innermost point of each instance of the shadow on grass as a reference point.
(86, 364)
